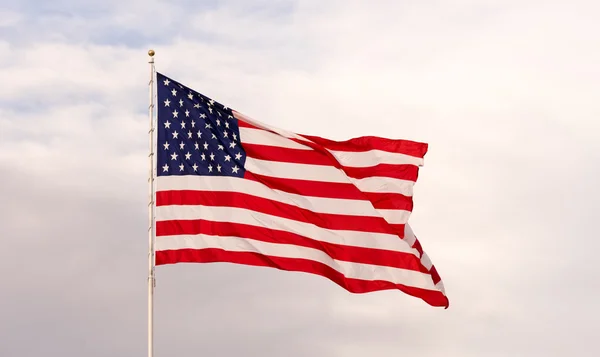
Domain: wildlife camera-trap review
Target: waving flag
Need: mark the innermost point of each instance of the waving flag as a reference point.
(232, 189)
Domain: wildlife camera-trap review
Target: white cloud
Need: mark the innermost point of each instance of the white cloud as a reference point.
(9, 18)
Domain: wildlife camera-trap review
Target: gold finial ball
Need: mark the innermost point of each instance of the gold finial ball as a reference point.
(151, 53)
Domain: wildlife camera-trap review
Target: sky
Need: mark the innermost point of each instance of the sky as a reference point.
(505, 93)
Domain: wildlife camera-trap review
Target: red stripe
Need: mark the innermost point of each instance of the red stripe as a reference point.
(336, 251)
(308, 188)
(296, 156)
(434, 298)
(274, 208)
(243, 124)
(390, 200)
(403, 172)
(316, 147)
(434, 275)
(418, 247)
(333, 190)
(398, 229)
(312, 157)
(433, 271)
(366, 143)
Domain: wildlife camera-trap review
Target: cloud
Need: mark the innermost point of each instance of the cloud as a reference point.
(504, 93)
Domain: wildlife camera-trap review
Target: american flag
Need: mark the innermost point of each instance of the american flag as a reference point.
(232, 189)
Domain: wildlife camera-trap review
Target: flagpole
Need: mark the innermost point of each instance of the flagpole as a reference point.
(151, 261)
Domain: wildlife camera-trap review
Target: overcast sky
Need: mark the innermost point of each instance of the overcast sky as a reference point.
(505, 92)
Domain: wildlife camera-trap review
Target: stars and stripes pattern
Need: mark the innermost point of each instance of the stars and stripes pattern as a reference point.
(232, 189)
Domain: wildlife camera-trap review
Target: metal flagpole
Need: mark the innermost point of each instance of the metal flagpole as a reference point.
(151, 279)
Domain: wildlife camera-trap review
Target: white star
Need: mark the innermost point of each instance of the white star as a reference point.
(175, 113)
(193, 124)
(174, 92)
(182, 125)
(203, 116)
(187, 113)
(180, 86)
(195, 167)
(182, 145)
(166, 145)
(203, 156)
(232, 145)
(213, 136)
(234, 136)
(209, 168)
(218, 167)
(219, 114)
(227, 158)
(211, 102)
(235, 169)
(212, 157)
(238, 156)
(181, 167)
(197, 106)
(205, 145)
(167, 102)
(190, 134)
(218, 122)
(230, 117)
(181, 102)
(167, 125)
(208, 126)
(196, 146)
(191, 96)
(225, 134)
(174, 156)
(175, 134)
(188, 155)
(220, 147)
(210, 110)
(227, 124)
(166, 82)
(165, 168)
(225, 108)
(199, 134)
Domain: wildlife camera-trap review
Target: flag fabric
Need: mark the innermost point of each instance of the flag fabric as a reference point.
(232, 189)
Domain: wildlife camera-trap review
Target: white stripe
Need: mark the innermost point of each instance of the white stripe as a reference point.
(394, 216)
(282, 132)
(374, 157)
(261, 137)
(348, 269)
(315, 204)
(426, 261)
(384, 185)
(322, 173)
(258, 219)
(409, 235)
(440, 286)
(296, 171)
(410, 239)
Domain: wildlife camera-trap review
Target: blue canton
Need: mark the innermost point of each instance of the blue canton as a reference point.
(195, 134)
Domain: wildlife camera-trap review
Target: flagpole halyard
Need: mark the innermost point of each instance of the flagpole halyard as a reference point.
(151, 253)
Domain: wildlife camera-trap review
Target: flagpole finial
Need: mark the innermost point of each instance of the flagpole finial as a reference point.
(151, 53)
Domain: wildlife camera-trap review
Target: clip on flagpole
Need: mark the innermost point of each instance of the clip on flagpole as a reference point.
(151, 253)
